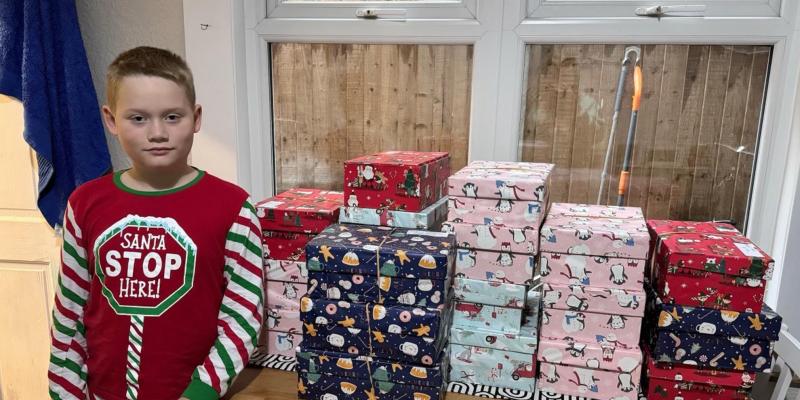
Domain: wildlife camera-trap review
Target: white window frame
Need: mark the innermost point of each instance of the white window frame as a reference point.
(227, 42)
(626, 8)
(442, 9)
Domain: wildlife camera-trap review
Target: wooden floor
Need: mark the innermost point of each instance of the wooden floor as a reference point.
(272, 384)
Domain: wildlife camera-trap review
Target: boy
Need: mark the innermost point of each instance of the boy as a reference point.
(160, 292)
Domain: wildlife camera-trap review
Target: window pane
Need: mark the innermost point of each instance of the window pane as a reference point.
(333, 102)
(697, 131)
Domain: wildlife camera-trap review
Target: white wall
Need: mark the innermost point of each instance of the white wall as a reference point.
(112, 26)
(789, 295)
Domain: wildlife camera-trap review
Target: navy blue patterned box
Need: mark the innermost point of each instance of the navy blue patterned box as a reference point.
(396, 332)
(765, 325)
(312, 386)
(382, 251)
(362, 367)
(711, 351)
(385, 289)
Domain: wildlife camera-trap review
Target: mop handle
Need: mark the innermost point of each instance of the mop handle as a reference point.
(626, 163)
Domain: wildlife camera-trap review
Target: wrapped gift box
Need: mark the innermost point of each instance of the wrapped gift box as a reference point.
(501, 212)
(502, 319)
(417, 321)
(676, 318)
(587, 326)
(283, 319)
(711, 351)
(286, 271)
(346, 365)
(595, 211)
(300, 210)
(569, 269)
(494, 237)
(594, 300)
(283, 343)
(524, 342)
(489, 292)
(396, 180)
(721, 254)
(285, 295)
(491, 266)
(663, 227)
(384, 290)
(430, 218)
(280, 245)
(610, 237)
(381, 251)
(405, 333)
(393, 344)
(332, 387)
(679, 381)
(589, 369)
(697, 288)
(493, 367)
(501, 180)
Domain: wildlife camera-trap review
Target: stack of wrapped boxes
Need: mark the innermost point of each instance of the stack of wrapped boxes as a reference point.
(710, 332)
(378, 307)
(288, 221)
(593, 265)
(495, 210)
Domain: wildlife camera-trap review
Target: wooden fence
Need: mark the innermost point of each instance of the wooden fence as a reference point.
(697, 133)
(333, 102)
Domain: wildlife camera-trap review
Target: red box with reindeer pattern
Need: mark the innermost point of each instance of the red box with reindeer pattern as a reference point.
(714, 271)
(396, 180)
(300, 210)
(668, 381)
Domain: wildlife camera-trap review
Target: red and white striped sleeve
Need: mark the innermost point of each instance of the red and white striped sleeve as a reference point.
(240, 315)
(67, 371)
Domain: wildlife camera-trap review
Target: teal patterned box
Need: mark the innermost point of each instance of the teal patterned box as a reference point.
(489, 292)
(483, 316)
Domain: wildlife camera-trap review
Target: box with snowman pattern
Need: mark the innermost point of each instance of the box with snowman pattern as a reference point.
(285, 319)
(493, 367)
(430, 218)
(558, 324)
(346, 365)
(396, 180)
(595, 211)
(499, 238)
(299, 210)
(283, 342)
(501, 180)
(316, 386)
(591, 299)
(597, 369)
(600, 271)
(489, 292)
(395, 332)
(523, 342)
(484, 265)
(285, 295)
(499, 212)
(609, 237)
(285, 271)
(711, 271)
(497, 318)
(670, 381)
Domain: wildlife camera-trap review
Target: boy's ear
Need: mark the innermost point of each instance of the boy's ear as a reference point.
(109, 120)
(198, 117)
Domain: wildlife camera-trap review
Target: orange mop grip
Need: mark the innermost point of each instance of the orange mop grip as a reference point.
(623, 182)
(637, 88)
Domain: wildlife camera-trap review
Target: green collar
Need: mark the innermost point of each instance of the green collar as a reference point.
(123, 187)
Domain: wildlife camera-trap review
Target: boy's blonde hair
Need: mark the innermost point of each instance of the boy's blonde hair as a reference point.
(148, 61)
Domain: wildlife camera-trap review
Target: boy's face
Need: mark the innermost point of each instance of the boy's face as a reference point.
(154, 121)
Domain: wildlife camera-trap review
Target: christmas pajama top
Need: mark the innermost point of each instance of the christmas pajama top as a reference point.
(160, 293)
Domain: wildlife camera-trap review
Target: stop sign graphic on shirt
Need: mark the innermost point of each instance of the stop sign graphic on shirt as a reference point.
(145, 264)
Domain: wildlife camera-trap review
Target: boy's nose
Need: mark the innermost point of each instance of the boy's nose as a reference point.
(158, 133)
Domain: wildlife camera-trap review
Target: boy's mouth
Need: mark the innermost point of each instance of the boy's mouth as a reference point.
(159, 150)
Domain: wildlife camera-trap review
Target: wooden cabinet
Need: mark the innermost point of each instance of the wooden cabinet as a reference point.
(29, 262)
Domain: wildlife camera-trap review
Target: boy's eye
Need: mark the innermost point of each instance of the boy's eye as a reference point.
(173, 117)
(136, 118)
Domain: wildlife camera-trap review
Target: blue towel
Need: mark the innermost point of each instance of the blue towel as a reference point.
(43, 64)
